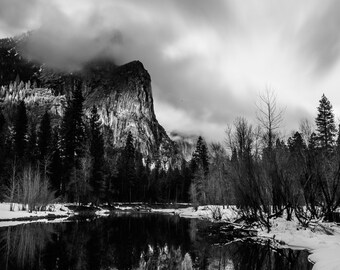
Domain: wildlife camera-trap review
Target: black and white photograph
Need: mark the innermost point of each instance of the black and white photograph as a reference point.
(169, 134)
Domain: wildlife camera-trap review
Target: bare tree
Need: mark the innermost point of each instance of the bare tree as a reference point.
(306, 129)
(250, 184)
(269, 115)
(218, 184)
(12, 189)
(240, 137)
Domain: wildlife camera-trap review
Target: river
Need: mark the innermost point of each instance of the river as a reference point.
(136, 241)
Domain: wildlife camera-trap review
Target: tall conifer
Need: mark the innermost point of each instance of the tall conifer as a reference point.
(97, 154)
(44, 136)
(200, 156)
(325, 124)
(20, 130)
(73, 134)
(128, 168)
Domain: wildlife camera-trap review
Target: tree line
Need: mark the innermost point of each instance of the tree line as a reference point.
(75, 162)
(266, 176)
(255, 168)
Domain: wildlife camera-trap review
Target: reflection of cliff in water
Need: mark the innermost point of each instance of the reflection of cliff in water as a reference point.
(134, 242)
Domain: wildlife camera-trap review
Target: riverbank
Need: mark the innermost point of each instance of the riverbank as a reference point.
(53, 213)
(320, 238)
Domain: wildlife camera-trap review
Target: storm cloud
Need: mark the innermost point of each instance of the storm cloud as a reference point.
(208, 60)
(321, 36)
(17, 16)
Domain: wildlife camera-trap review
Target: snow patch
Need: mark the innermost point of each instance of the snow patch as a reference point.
(55, 209)
(321, 239)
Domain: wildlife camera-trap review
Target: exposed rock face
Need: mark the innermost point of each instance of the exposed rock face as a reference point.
(122, 95)
(124, 101)
(185, 144)
(37, 100)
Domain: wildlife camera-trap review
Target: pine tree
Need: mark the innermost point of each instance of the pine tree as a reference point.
(56, 167)
(73, 134)
(68, 135)
(141, 178)
(3, 154)
(338, 140)
(2, 121)
(325, 125)
(200, 156)
(32, 152)
(127, 168)
(187, 176)
(312, 142)
(97, 154)
(73, 128)
(20, 130)
(2, 133)
(44, 136)
(296, 143)
(200, 170)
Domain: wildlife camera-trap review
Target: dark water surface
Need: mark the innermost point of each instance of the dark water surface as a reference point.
(135, 242)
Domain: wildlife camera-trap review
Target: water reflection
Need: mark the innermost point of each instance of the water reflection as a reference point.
(24, 244)
(134, 242)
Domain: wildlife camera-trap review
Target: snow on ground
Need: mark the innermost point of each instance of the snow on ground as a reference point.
(16, 223)
(321, 239)
(55, 209)
(125, 208)
(227, 213)
(102, 213)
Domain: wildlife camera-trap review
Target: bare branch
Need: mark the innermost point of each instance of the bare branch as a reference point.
(269, 115)
(306, 129)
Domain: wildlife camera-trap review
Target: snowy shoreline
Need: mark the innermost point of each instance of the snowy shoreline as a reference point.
(321, 239)
(8, 217)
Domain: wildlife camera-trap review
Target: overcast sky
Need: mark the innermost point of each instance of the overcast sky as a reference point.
(208, 59)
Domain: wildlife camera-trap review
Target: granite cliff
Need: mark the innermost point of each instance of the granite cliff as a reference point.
(122, 95)
(185, 144)
(125, 104)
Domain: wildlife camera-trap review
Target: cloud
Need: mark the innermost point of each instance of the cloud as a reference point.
(321, 37)
(73, 32)
(68, 40)
(17, 15)
(208, 60)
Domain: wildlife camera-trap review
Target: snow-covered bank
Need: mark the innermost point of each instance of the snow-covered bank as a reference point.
(11, 223)
(321, 239)
(54, 213)
(225, 214)
(55, 210)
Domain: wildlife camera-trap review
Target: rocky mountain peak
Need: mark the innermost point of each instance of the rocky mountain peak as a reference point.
(125, 104)
(185, 143)
(122, 95)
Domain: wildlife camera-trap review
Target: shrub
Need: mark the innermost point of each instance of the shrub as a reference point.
(216, 212)
(31, 190)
